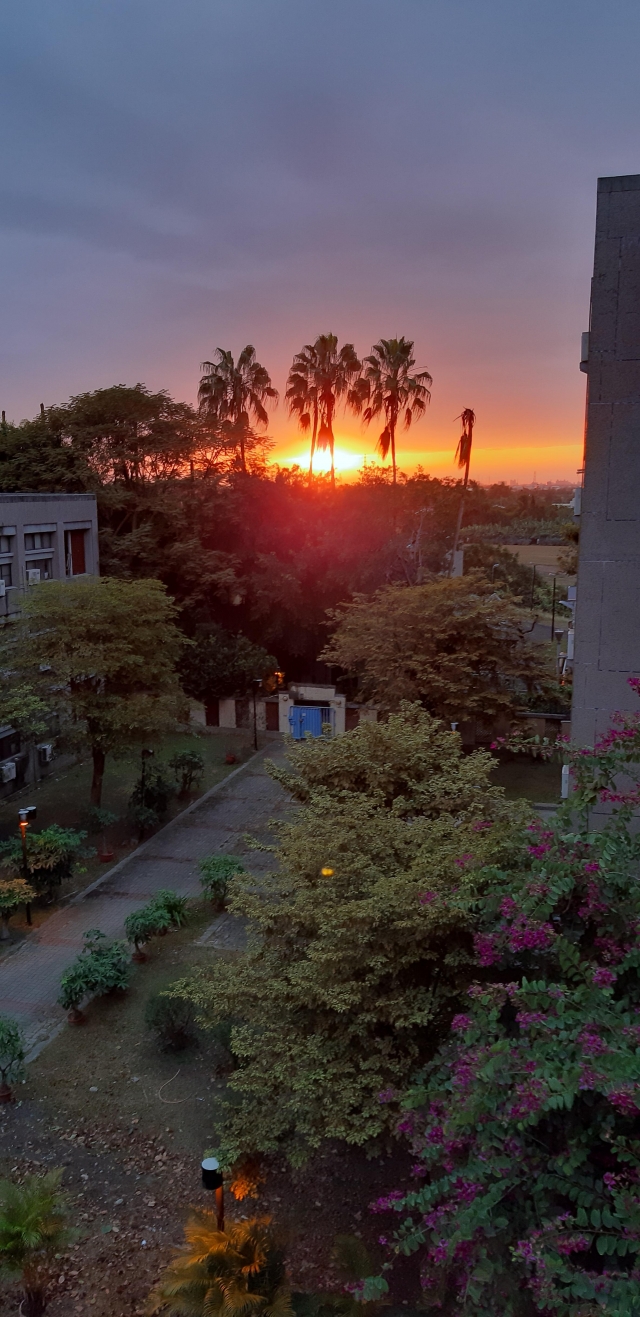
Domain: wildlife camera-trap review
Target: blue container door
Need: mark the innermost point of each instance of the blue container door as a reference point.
(305, 720)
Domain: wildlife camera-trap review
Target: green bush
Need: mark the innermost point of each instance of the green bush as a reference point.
(51, 855)
(188, 768)
(141, 925)
(100, 968)
(33, 1235)
(148, 807)
(172, 1019)
(170, 907)
(11, 1053)
(216, 872)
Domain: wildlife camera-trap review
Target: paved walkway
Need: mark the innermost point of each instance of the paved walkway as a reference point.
(243, 803)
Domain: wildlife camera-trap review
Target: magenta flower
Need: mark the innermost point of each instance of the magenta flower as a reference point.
(604, 978)
(461, 1022)
(426, 898)
(484, 948)
(463, 860)
(481, 825)
(624, 1102)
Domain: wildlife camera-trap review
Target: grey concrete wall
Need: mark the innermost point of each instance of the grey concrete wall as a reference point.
(53, 514)
(607, 629)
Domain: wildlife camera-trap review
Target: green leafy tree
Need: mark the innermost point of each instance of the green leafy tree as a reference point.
(321, 375)
(394, 390)
(141, 925)
(35, 458)
(452, 644)
(51, 856)
(127, 436)
(239, 1270)
(12, 1050)
(220, 665)
(13, 893)
(357, 951)
(104, 652)
(233, 393)
(33, 1229)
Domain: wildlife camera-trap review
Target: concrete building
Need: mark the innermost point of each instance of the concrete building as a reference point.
(607, 619)
(45, 537)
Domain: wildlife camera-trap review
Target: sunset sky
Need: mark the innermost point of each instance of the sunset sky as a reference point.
(181, 176)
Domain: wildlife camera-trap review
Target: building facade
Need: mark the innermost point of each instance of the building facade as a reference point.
(45, 537)
(607, 617)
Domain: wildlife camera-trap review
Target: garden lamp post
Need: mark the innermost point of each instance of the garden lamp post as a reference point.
(256, 683)
(25, 816)
(212, 1180)
(493, 570)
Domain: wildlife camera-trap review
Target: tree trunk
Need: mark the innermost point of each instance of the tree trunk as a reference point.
(98, 774)
(392, 428)
(5, 935)
(313, 440)
(34, 1303)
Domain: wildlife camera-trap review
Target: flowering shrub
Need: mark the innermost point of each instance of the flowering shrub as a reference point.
(525, 1127)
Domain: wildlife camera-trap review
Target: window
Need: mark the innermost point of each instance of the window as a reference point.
(39, 569)
(5, 573)
(6, 544)
(42, 539)
(9, 744)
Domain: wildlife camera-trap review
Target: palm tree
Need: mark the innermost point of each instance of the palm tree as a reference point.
(231, 394)
(33, 1228)
(391, 388)
(463, 458)
(234, 1273)
(320, 376)
(302, 395)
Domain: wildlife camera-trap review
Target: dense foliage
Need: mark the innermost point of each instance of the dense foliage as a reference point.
(33, 1231)
(216, 871)
(13, 892)
(453, 644)
(12, 1052)
(220, 665)
(526, 1124)
(101, 967)
(52, 854)
(354, 965)
(103, 652)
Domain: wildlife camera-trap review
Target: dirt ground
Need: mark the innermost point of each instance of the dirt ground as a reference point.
(129, 1124)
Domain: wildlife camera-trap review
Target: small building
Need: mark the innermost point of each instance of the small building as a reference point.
(303, 709)
(45, 537)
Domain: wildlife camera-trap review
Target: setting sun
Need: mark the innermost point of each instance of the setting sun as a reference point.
(344, 460)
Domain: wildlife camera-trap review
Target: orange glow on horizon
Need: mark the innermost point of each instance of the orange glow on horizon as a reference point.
(524, 463)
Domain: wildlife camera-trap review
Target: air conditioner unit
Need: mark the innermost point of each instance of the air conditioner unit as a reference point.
(45, 753)
(8, 771)
(33, 575)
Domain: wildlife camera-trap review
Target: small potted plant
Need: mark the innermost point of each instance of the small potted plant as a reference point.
(100, 820)
(11, 1056)
(141, 926)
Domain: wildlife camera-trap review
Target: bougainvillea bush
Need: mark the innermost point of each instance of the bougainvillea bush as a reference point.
(526, 1125)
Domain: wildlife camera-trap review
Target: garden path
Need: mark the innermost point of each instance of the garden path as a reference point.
(242, 804)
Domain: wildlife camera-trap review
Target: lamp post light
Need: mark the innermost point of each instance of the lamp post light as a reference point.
(212, 1180)
(493, 570)
(25, 817)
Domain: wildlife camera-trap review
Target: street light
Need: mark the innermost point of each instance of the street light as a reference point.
(493, 570)
(25, 817)
(212, 1180)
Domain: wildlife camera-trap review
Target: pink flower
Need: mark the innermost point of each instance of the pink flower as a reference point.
(623, 1102)
(592, 868)
(427, 898)
(463, 860)
(387, 1095)
(461, 1022)
(484, 948)
(480, 826)
(526, 935)
(603, 978)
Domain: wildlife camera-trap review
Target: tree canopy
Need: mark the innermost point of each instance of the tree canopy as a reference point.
(453, 643)
(356, 959)
(219, 665)
(104, 653)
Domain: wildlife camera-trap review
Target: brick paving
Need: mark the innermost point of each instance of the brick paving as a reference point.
(219, 822)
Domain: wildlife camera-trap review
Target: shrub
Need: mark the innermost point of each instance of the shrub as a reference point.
(170, 907)
(360, 944)
(13, 893)
(141, 925)
(51, 855)
(11, 1055)
(172, 1019)
(148, 806)
(239, 1271)
(33, 1233)
(188, 768)
(525, 1127)
(216, 871)
(100, 968)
